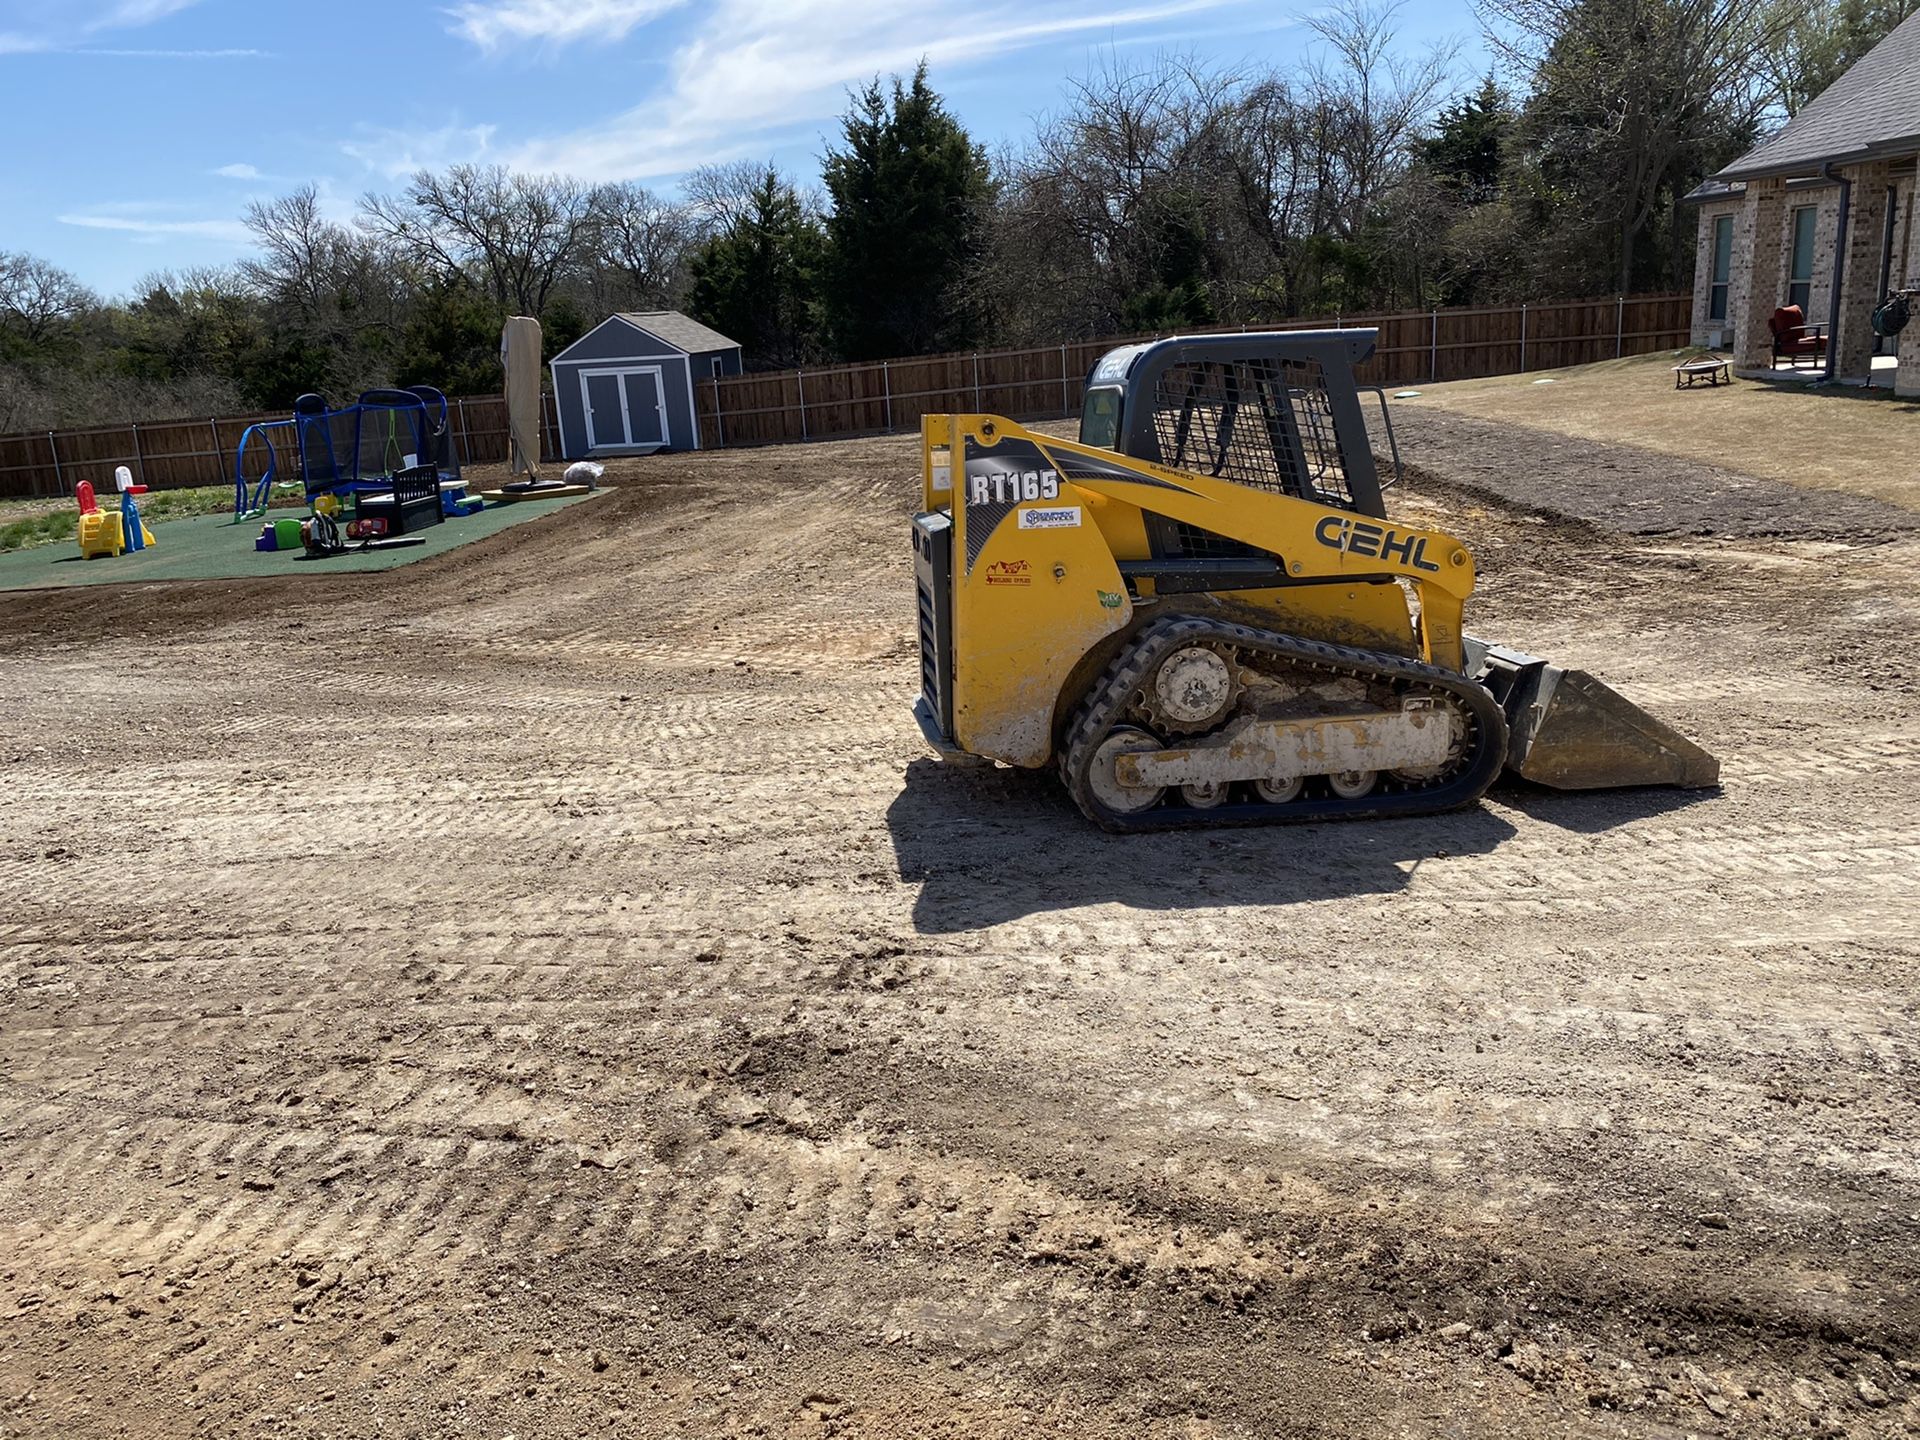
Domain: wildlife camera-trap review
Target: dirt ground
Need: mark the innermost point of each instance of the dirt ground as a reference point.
(549, 992)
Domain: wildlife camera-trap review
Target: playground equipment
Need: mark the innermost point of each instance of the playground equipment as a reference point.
(391, 450)
(111, 532)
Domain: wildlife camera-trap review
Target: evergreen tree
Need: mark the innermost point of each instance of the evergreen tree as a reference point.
(1173, 293)
(757, 280)
(452, 339)
(1464, 152)
(910, 197)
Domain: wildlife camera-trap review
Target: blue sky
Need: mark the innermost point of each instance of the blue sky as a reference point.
(139, 129)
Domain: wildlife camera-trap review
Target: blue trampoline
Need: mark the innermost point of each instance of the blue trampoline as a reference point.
(388, 443)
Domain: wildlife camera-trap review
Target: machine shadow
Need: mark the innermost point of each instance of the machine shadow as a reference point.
(1594, 812)
(988, 845)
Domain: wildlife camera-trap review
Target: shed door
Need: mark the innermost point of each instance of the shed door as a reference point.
(624, 406)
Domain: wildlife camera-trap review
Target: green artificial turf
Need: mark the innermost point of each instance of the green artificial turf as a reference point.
(212, 547)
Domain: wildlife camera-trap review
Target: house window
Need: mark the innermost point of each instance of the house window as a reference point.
(718, 368)
(1800, 273)
(1722, 268)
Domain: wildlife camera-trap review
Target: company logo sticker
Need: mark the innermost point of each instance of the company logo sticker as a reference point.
(1376, 542)
(1110, 600)
(1010, 572)
(1057, 517)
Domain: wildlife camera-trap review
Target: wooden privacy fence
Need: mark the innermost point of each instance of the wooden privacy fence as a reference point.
(1415, 347)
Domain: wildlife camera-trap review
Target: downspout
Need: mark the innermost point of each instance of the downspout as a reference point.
(1839, 274)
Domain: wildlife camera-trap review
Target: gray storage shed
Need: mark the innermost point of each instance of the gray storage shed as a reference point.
(626, 386)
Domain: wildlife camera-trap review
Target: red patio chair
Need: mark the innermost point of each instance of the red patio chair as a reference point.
(1793, 338)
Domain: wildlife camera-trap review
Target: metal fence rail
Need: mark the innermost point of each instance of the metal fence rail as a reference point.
(1419, 346)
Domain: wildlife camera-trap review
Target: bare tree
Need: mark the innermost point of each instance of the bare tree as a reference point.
(517, 235)
(37, 297)
(1120, 207)
(641, 242)
(1635, 90)
(344, 292)
(317, 267)
(723, 197)
(1366, 102)
(1176, 192)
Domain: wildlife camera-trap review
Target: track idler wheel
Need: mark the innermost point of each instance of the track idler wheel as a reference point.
(1122, 799)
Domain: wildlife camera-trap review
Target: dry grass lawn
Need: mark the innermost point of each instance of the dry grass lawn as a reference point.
(1828, 437)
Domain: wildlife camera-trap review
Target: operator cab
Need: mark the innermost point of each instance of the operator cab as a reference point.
(1277, 411)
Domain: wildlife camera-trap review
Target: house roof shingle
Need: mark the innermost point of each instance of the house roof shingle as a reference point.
(1871, 111)
(682, 332)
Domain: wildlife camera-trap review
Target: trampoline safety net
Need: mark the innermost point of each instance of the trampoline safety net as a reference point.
(363, 445)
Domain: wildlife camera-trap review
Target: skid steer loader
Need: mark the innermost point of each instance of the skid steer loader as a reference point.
(1202, 614)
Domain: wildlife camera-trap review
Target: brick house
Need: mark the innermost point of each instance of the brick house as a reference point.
(1836, 184)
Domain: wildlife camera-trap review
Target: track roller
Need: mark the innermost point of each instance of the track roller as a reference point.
(1139, 721)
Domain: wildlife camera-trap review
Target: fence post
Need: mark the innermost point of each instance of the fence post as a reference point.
(719, 420)
(1523, 337)
(59, 480)
(1066, 405)
(139, 460)
(219, 456)
(886, 391)
(1433, 349)
(1619, 326)
(976, 382)
(800, 383)
(464, 451)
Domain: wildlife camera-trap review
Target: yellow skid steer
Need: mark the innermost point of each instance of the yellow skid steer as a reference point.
(1202, 614)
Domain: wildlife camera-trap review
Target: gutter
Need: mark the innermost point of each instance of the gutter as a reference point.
(1839, 273)
(1896, 148)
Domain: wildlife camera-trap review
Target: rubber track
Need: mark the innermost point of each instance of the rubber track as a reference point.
(1107, 702)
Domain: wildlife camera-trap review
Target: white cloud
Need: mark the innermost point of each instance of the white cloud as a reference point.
(60, 25)
(395, 153)
(497, 23)
(239, 172)
(759, 67)
(229, 231)
(131, 14)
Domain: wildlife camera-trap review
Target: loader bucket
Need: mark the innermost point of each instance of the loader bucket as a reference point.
(1570, 731)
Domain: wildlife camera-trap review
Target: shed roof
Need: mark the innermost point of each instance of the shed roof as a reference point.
(1870, 112)
(683, 332)
(669, 327)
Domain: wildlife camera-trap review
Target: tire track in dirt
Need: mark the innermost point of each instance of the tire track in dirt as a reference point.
(728, 1001)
